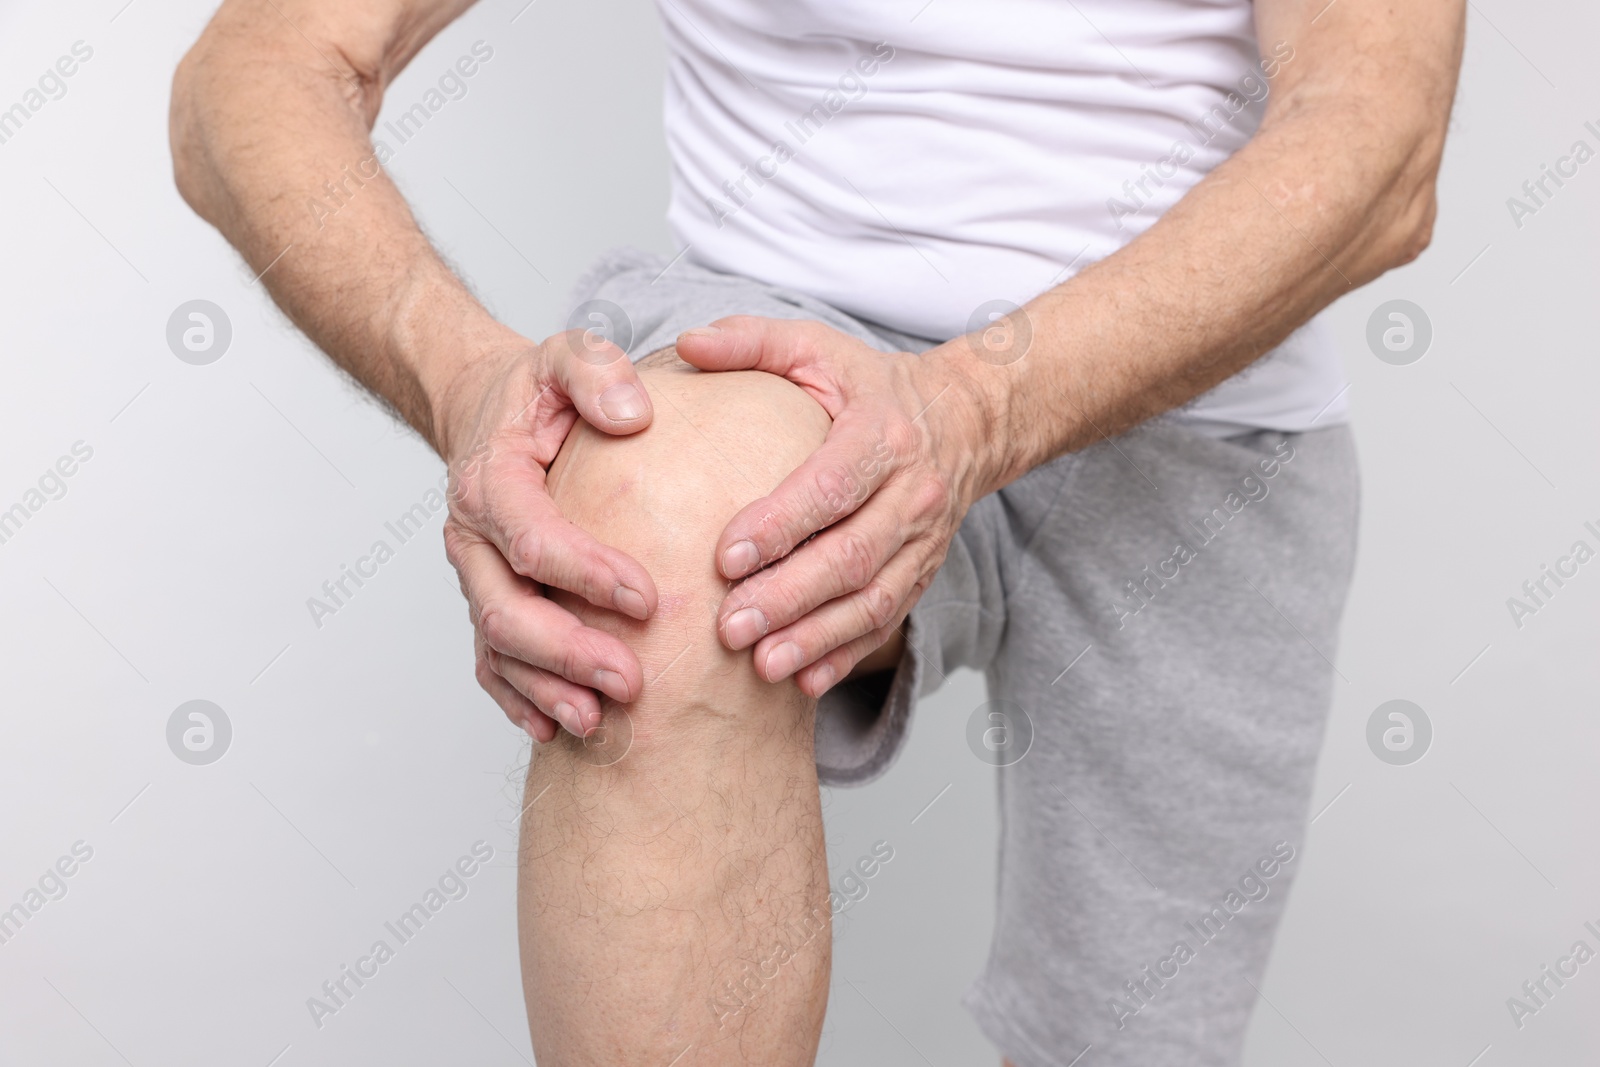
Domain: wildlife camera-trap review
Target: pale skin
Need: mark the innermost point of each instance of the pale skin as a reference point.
(674, 880)
(1336, 188)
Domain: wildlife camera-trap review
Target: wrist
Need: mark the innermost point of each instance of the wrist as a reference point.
(469, 386)
(449, 347)
(983, 393)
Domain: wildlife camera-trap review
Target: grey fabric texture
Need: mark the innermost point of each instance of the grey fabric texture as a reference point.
(1157, 618)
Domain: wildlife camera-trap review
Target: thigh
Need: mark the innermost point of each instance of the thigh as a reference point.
(1169, 647)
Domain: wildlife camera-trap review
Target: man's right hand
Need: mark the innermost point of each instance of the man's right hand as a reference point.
(271, 110)
(500, 425)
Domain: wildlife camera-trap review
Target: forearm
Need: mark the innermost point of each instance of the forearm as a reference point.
(1335, 189)
(270, 118)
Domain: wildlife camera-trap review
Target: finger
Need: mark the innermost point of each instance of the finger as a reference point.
(520, 623)
(786, 347)
(817, 678)
(881, 605)
(833, 667)
(841, 559)
(834, 481)
(539, 542)
(518, 708)
(575, 707)
(600, 380)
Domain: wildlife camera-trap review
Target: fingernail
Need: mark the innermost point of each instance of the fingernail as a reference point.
(622, 402)
(527, 728)
(611, 684)
(740, 558)
(702, 331)
(745, 627)
(784, 661)
(567, 716)
(630, 602)
(822, 679)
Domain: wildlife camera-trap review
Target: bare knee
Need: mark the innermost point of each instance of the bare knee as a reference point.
(697, 820)
(717, 441)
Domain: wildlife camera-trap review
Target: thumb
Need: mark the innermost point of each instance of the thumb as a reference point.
(600, 380)
(753, 342)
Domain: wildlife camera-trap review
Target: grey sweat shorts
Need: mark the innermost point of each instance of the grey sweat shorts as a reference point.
(1156, 617)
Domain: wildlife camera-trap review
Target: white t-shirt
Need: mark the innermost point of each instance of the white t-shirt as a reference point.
(913, 161)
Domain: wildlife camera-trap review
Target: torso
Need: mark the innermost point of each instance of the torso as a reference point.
(911, 170)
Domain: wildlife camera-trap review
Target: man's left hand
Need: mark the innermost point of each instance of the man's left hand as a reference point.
(909, 452)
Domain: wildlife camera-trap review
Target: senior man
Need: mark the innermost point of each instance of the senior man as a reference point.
(1010, 308)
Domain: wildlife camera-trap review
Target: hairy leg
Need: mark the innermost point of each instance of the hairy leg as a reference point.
(673, 884)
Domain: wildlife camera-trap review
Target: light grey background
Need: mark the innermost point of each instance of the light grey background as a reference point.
(364, 760)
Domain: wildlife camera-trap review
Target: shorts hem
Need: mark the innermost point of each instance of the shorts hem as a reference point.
(1009, 1036)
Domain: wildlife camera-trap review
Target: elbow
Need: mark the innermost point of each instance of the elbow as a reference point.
(186, 133)
(1413, 202)
(1413, 231)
